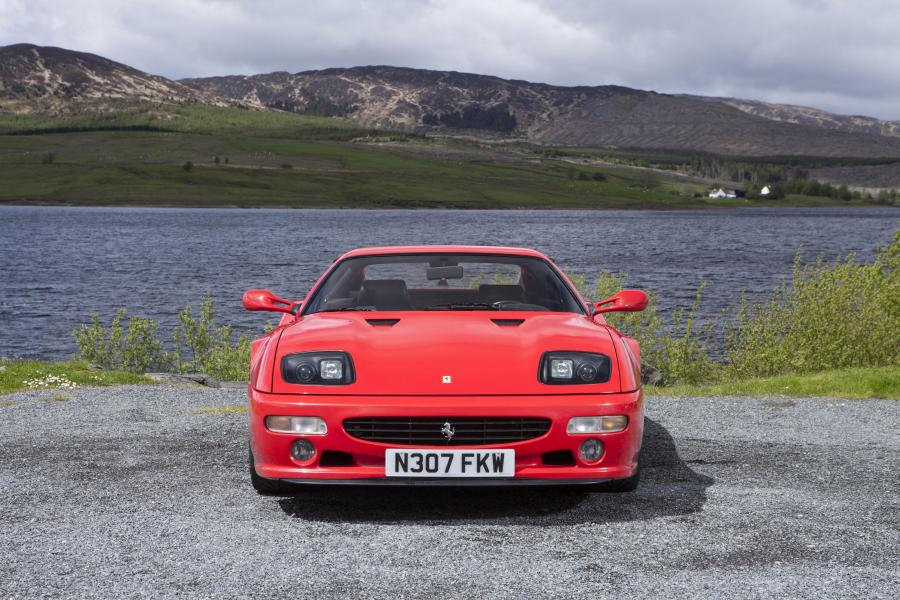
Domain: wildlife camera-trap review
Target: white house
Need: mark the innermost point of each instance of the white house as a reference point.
(722, 193)
(765, 191)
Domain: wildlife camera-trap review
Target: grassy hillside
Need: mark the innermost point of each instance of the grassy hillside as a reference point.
(207, 156)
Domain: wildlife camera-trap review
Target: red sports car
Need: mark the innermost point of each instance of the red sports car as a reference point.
(444, 365)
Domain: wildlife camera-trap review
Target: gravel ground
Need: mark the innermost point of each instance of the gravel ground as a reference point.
(142, 491)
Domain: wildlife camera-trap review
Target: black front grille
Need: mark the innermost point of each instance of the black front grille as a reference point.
(434, 431)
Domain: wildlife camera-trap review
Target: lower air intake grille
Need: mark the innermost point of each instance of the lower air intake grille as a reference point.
(446, 431)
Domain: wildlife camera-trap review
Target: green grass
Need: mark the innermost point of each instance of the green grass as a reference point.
(16, 373)
(135, 156)
(852, 383)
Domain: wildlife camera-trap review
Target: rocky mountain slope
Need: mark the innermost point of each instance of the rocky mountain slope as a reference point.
(805, 115)
(47, 79)
(34, 78)
(402, 98)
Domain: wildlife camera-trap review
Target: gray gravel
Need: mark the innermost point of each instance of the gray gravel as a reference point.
(136, 491)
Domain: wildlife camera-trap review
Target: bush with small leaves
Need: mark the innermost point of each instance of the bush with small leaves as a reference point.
(843, 314)
(197, 345)
(136, 349)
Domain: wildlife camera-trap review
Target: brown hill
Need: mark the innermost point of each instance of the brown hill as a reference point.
(55, 80)
(47, 79)
(419, 99)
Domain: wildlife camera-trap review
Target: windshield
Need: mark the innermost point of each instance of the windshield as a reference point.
(443, 282)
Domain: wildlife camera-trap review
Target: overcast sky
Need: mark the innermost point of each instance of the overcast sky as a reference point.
(841, 55)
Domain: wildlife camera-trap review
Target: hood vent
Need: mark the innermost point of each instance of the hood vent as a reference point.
(382, 322)
(508, 322)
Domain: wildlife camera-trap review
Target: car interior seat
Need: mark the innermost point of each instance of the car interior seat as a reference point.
(385, 294)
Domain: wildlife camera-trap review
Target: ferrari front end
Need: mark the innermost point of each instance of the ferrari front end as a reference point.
(479, 440)
(402, 367)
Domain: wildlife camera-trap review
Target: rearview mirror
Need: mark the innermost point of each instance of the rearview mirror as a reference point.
(266, 300)
(436, 273)
(624, 301)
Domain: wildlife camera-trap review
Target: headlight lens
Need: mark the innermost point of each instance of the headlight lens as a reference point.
(305, 372)
(297, 425)
(561, 368)
(574, 368)
(607, 424)
(331, 369)
(318, 368)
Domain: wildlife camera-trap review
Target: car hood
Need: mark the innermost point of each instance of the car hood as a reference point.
(412, 353)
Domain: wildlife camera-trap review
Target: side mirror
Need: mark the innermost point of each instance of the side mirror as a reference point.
(266, 300)
(625, 301)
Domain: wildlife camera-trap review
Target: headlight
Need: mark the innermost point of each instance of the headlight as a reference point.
(574, 368)
(298, 425)
(611, 424)
(318, 368)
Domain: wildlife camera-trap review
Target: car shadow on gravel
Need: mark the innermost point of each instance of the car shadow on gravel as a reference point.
(668, 488)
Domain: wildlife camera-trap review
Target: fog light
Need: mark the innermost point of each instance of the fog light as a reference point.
(561, 368)
(303, 450)
(608, 424)
(301, 425)
(591, 450)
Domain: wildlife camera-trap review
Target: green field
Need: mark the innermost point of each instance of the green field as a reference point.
(137, 156)
(19, 375)
(851, 383)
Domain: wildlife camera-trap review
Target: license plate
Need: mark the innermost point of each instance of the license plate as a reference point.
(449, 463)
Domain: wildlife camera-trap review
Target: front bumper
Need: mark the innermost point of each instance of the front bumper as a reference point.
(272, 457)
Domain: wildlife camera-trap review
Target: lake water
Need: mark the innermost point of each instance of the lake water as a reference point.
(60, 264)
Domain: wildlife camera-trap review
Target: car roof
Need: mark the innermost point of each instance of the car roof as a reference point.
(382, 250)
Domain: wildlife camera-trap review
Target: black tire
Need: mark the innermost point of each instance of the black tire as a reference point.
(618, 486)
(268, 487)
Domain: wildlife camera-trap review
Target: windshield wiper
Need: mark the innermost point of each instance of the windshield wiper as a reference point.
(462, 306)
(348, 308)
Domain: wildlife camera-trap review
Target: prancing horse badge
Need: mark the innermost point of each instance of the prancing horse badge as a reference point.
(446, 379)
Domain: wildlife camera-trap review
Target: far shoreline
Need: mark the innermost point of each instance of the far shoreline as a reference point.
(745, 205)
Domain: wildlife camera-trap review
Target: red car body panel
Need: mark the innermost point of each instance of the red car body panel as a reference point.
(411, 356)
(272, 450)
(444, 364)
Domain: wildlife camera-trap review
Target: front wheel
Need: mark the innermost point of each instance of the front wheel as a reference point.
(268, 487)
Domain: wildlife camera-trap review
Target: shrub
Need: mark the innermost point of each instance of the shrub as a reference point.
(843, 314)
(201, 346)
(677, 348)
(197, 345)
(598, 176)
(187, 166)
(138, 350)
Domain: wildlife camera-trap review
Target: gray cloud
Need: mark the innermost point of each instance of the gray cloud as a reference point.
(840, 55)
